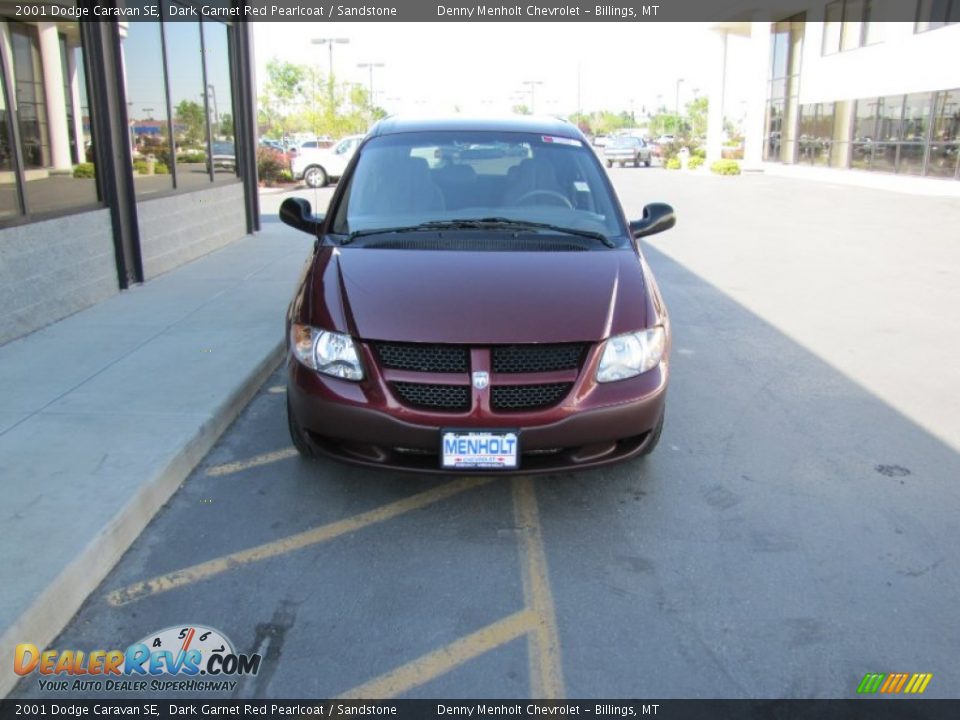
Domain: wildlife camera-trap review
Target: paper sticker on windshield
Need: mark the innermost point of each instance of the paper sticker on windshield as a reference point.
(561, 140)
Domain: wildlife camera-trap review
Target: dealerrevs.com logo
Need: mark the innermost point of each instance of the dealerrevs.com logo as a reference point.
(200, 657)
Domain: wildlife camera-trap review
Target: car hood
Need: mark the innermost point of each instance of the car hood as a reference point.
(476, 297)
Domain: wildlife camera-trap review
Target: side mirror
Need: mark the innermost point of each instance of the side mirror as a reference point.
(296, 213)
(657, 217)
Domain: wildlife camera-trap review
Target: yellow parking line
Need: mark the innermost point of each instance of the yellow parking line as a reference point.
(265, 459)
(432, 665)
(546, 670)
(206, 570)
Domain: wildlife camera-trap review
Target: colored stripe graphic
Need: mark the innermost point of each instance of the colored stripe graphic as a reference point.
(894, 683)
(918, 683)
(870, 683)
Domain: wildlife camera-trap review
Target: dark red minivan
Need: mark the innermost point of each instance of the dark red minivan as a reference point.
(476, 302)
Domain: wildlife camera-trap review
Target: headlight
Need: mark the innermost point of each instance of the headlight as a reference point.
(327, 352)
(626, 356)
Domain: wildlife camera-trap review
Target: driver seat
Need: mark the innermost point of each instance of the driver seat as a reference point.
(530, 175)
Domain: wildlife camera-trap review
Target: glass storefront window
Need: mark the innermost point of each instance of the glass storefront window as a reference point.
(147, 107)
(889, 115)
(945, 135)
(216, 45)
(52, 138)
(914, 132)
(864, 133)
(832, 24)
(9, 191)
(188, 102)
(31, 104)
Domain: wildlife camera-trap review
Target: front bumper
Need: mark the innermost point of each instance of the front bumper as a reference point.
(362, 423)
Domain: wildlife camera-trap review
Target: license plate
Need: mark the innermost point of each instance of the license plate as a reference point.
(479, 449)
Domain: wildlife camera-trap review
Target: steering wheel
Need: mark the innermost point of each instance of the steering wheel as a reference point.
(548, 193)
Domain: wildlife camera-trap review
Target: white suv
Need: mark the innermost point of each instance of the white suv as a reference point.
(317, 166)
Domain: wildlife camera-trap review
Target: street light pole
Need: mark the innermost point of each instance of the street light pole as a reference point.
(329, 42)
(676, 109)
(533, 100)
(370, 66)
(216, 112)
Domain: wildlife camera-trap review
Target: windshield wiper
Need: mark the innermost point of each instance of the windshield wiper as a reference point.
(488, 223)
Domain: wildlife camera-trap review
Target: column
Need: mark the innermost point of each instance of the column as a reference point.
(717, 93)
(73, 77)
(56, 101)
(755, 131)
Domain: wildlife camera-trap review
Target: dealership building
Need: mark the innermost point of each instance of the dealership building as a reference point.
(831, 86)
(126, 150)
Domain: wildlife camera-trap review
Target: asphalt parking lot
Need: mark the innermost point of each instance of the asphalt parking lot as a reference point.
(796, 528)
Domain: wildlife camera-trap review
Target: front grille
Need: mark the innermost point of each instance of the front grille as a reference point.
(537, 358)
(423, 357)
(434, 397)
(527, 397)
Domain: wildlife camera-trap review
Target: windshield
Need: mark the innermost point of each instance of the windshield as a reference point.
(409, 179)
(627, 141)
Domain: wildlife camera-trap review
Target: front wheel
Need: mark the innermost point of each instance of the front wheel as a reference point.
(654, 436)
(315, 177)
(609, 163)
(646, 163)
(299, 436)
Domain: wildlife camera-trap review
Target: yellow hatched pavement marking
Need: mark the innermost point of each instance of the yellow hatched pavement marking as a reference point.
(206, 570)
(257, 461)
(546, 670)
(434, 664)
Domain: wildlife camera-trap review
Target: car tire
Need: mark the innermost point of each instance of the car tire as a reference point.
(622, 164)
(315, 176)
(646, 163)
(299, 437)
(654, 436)
(609, 163)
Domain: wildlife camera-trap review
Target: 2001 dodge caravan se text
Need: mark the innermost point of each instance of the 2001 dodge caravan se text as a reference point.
(476, 302)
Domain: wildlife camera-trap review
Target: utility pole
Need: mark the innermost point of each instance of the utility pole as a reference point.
(533, 100)
(329, 42)
(676, 109)
(371, 66)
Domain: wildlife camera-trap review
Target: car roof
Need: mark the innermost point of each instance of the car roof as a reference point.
(508, 123)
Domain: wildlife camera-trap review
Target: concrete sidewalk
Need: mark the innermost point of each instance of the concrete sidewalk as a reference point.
(106, 412)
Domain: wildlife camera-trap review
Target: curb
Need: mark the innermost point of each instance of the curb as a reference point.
(59, 602)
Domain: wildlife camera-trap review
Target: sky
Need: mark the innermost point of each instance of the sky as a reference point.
(481, 67)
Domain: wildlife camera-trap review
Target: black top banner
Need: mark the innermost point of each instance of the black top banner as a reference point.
(880, 709)
(732, 11)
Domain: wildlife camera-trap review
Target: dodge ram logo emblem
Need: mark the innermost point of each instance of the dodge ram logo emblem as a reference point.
(481, 380)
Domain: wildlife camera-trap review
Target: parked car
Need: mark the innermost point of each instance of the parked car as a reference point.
(490, 314)
(316, 167)
(224, 157)
(627, 149)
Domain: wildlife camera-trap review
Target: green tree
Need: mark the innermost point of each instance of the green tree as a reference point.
(192, 117)
(283, 96)
(696, 116)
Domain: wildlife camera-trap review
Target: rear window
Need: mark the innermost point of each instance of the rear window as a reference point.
(411, 178)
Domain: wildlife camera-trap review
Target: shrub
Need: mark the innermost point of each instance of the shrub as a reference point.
(140, 167)
(694, 162)
(161, 169)
(725, 167)
(84, 170)
(698, 152)
(673, 164)
(270, 164)
(285, 176)
(192, 157)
